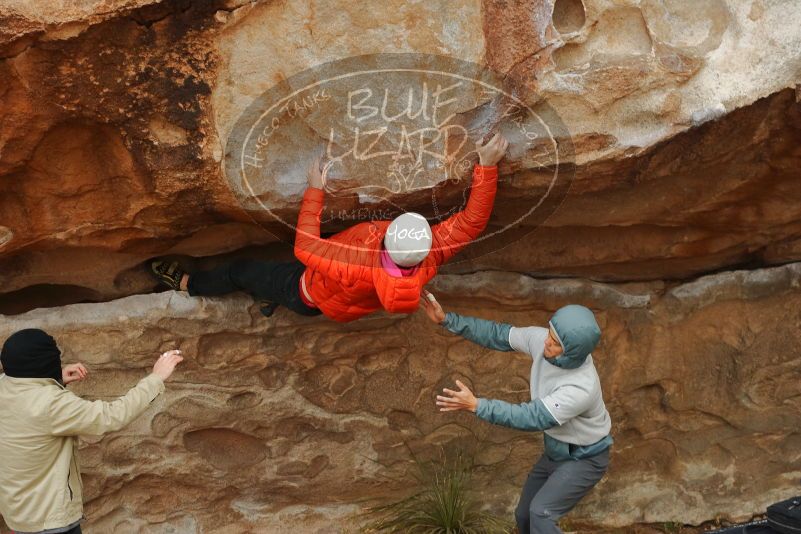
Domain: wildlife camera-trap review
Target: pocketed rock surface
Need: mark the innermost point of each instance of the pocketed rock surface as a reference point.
(682, 116)
(680, 229)
(294, 424)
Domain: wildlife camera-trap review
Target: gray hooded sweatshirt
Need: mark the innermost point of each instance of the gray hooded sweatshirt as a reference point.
(566, 400)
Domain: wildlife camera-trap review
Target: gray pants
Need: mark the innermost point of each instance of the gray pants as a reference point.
(553, 488)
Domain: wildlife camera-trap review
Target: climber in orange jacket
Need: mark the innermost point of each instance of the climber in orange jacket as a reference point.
(370, 266)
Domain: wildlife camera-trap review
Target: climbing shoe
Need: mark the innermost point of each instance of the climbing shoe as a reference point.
(267, 308)
(168, 273)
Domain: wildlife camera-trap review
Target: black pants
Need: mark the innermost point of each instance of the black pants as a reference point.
(264, 280)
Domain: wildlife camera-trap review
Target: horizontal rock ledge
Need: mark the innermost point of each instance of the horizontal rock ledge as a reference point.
(704, 409)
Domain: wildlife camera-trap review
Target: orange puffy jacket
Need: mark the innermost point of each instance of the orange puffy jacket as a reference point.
(344, 276)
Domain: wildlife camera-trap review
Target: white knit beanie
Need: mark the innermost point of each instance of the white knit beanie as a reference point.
(408, 239)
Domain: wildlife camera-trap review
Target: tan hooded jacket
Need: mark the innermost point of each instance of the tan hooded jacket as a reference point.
(40, 481)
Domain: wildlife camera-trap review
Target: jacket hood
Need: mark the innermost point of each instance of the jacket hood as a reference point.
(397, 295)
(578, 332)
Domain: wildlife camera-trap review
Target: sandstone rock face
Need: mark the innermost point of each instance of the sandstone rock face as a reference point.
(291, 424)
(680, 128)
(117, 115)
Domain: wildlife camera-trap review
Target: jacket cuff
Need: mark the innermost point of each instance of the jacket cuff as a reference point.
(481, 408)
(155, 384)
(312, 193)
(485, 174)
(450, 317)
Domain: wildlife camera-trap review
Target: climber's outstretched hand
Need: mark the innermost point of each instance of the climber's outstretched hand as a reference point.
(166, 363)
(457, 400)
(491, 152)
(432, 307)
(74, 372)
(314, 174)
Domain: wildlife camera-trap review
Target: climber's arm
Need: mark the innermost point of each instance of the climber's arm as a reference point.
(482, 332)
(459, 230)
(455, 233)
(312, 250)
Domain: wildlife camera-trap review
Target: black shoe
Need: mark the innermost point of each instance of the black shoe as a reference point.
(168, 273)
(267, 308)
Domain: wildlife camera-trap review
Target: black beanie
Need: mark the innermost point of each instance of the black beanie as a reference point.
(31, 353)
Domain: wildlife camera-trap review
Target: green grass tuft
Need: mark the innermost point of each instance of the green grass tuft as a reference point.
(445, 503)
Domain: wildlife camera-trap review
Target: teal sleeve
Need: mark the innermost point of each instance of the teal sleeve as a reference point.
(488, 334)
(531, 415)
